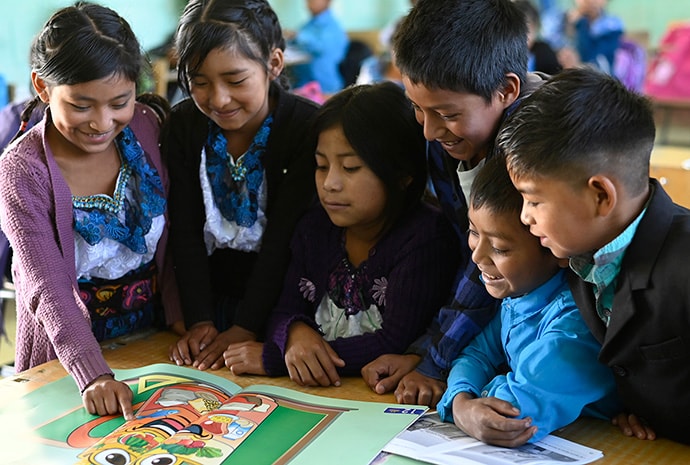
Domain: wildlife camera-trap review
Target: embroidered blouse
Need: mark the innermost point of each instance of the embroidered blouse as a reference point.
(234, 192)
(118, 234)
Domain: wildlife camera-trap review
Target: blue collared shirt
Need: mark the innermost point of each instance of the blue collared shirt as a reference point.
(553, 373)
(602, 268)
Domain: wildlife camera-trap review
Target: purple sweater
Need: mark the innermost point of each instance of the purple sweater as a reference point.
(416, 259)
(36, 216)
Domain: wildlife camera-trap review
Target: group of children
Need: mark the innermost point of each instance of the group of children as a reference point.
(548, 284)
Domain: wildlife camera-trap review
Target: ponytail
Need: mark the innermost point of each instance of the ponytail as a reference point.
(25, 117)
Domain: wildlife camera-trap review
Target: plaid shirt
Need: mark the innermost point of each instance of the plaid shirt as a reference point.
(470, 307)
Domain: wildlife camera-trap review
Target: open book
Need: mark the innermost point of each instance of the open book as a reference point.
(430, 440)
(188, 417)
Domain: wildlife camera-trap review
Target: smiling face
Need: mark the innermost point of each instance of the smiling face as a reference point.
(565, 219)
(464, 123)
(89, 115)
(510, 259)
(352, 195)
(232, 89)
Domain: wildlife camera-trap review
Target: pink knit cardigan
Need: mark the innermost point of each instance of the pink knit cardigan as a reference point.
(36, 216)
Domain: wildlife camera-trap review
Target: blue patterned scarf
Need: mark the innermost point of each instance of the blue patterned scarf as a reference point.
(227, 179)
(96, 216)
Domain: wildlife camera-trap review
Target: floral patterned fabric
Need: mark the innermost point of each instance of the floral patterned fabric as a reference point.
(353, 302)
(120, 306)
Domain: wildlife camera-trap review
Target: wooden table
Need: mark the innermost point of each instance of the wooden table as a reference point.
(671, 166)
(147, 348)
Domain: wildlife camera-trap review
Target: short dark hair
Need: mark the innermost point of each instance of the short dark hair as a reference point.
(85, 42)
(250, 27)
(530, 11)
(462, 45)
(580, 123)
(378, 122)
(492, 189)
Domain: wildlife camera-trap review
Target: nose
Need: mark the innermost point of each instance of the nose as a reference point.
(433, 129)
(478, 254)
(102, 121)
(332, 181)
(219, 96)
(525, 215)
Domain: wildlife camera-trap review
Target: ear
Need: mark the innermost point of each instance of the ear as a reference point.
(40, 87)
(276, 63)
(510, 91)
(605, 194)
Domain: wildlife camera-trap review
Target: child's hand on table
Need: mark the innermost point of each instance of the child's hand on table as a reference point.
(416, 388)
(631, 425)
(385, 372)
(310, 360)
(107, 396)
(245, 358)
(489, 420)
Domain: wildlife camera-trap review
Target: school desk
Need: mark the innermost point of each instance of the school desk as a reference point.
(149, 348)
(671, 166)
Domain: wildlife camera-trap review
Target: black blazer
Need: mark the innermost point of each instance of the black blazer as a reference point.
(289, 168)
(647, 343)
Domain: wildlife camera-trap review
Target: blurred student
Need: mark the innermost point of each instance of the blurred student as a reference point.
(241, 167)
(461, 88)
(552, 375)
(542, 57)
(592, 36)
(579, 153)
(372, 263)
(325, 40)
(83, 203)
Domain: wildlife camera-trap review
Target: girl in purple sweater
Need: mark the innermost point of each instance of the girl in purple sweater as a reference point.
(83, 202)
(370, 264)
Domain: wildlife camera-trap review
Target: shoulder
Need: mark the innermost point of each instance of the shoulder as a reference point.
(185, 114)
(292, 109)
(27, 150)
(532, 82)
(422, 225)
(145, 122)
(314, 222)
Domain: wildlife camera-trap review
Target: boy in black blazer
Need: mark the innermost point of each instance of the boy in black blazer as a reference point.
(578, 150)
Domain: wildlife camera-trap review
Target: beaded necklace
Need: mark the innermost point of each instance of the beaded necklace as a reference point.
(236, 186)
(127, 216)
(103, 201)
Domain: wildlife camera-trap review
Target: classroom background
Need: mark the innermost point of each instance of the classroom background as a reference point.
(154, 21)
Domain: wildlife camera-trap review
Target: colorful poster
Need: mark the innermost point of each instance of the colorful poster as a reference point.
(187, 417)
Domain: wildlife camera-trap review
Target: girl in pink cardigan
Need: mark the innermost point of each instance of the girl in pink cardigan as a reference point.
(83, 204)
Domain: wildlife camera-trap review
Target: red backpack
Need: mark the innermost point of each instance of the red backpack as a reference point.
(668, 76)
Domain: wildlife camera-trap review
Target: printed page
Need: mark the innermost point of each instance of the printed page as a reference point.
(432, 441)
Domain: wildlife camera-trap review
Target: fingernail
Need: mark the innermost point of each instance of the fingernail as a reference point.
(337, 383)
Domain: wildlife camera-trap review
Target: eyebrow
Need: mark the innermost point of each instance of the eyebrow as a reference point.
(494, 234)
(439, 107)
(340, 155)
(91, 99)
(232, 72)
